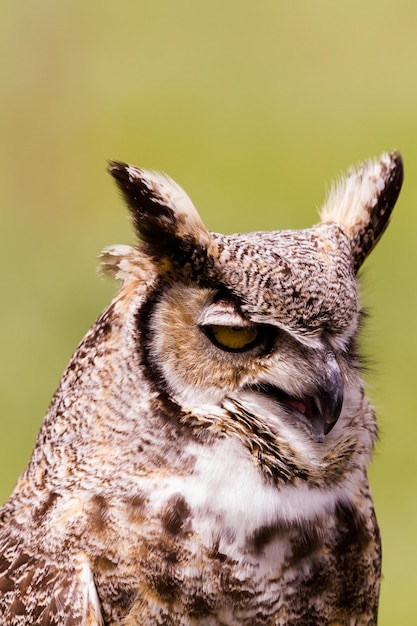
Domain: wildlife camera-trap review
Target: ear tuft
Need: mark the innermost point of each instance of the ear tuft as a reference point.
(163, 214)
(361, 203)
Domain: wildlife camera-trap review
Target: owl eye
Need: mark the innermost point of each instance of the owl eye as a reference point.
(233, 338)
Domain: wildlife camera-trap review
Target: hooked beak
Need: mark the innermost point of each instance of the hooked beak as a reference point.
(319, 410)
(329, 398)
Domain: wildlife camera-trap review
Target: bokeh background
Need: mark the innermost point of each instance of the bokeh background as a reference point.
(254, 107)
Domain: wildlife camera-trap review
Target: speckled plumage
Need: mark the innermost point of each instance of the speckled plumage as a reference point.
(203, 461)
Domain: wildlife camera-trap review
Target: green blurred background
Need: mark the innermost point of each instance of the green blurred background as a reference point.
(254, 107)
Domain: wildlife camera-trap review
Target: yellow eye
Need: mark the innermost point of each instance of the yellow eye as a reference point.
(234, 337)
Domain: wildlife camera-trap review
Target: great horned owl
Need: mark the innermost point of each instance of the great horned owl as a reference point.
(203, 461)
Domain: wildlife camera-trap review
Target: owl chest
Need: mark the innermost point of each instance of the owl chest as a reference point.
(216, 542)
(192, 566)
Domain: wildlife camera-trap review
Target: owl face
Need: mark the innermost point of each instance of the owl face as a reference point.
(225, 352)
(262, 324)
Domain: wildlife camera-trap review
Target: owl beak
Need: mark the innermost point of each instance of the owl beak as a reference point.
(325, 406)
(320, 409)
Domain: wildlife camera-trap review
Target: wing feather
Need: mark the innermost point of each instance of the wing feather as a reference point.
(35, 589)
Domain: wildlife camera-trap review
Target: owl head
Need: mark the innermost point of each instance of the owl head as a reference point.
(259, 326)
